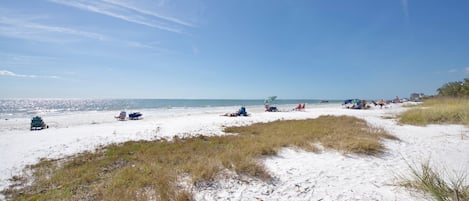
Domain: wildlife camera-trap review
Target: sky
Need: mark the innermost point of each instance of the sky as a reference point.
(241, 49)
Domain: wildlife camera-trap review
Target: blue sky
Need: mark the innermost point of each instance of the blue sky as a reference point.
(323, 49)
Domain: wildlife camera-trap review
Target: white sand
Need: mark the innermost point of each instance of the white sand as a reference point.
(298, 175)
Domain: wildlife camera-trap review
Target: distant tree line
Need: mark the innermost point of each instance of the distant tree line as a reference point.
(455, 89)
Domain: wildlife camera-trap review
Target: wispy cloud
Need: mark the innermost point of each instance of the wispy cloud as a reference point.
(12, 74)
(453, 71)
(17, 28)
(195, 50)
(405, 8)
(127, 12)
(21, 60)
(162, 2)
(139, 45)
(26, 58)
(22, 28)
(149, 46)
(464, 70)
(147, 12)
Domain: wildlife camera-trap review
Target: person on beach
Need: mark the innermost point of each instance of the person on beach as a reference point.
(269, 108)
(241, 112)
(300, 107)
(381, 103)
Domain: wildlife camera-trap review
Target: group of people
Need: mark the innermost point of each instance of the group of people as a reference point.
(299, 107)
(362, 104)
(356, 104)
(242, 111)
(269, 108)
(380, 103)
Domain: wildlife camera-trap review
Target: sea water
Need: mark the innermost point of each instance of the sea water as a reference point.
(25, 108)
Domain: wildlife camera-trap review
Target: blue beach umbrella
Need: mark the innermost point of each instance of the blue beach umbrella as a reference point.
(270, 99)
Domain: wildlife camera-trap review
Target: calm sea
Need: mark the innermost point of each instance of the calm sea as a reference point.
(11, 108)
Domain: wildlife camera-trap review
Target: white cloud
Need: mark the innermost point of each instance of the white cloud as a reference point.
(10, 59)
(67, 31)
(453, 71)
(7, 73)
(146, 12)
(162, 2)
(195, 50)
(151, 46)
(459, 71)
(12, 74)
(127, 13)
(405, 8)
(27, 30)
(18, 28)
(139, 45)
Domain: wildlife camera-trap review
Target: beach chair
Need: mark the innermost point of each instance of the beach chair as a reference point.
(272, 109)
(38, 124)
(300, 107)
(242, 112)
(121, 116)
(135, 116)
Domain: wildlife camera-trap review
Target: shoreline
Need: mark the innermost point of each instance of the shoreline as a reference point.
(76, 133)
(18, 108)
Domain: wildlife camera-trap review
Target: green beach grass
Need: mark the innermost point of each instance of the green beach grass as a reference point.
(154, 170)
(438, 111)
(436, 183)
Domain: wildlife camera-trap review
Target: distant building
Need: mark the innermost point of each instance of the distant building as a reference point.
(416, 96)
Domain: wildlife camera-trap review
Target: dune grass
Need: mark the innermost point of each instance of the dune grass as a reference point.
(441, 187)
(155, 170)
(438, 111)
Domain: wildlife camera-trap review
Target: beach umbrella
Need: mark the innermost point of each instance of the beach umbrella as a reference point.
(270, 99)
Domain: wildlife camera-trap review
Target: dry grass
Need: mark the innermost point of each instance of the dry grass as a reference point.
(150, 170)
(438, 111)
(434, 182)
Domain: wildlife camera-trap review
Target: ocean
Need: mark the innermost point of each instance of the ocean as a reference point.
(14, 108)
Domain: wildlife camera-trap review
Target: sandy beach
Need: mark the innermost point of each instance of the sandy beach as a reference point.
(298, 175)
(196, 69)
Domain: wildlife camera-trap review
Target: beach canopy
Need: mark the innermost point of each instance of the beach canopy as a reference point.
(270, 99)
